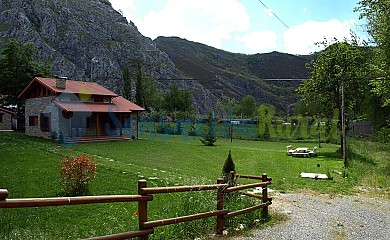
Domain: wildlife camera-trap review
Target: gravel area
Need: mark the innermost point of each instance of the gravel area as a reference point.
(323, 217)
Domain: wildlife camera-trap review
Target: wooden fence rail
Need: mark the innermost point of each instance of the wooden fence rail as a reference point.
(145, 194)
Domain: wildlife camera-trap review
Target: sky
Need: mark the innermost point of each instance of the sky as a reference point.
(247, 26)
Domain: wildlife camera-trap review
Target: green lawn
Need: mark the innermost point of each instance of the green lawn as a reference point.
(30, 168)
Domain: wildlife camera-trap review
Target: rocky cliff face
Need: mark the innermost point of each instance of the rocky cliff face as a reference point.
(88, 40)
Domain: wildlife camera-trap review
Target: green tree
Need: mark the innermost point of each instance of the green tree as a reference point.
(226, 106)
(266, 112)
(146, 94)
(209, 135)
(247, 106)
(127, 85)
(228, 167)
(17, 69)
(377, 15)
(337, 63)
(139, 86)
(312, 109)
(177, 100)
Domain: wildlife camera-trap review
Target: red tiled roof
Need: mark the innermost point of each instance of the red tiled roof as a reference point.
(71, 87)
(127, 104)
(118, 105)
(3, 109)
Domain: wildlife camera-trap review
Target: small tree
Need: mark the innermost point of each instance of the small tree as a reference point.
(177, 100)
(209, 136)
(229, 167)
(247, 106)
(265, 116)
(76, 173)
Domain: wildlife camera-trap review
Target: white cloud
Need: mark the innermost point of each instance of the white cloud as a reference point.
(259, 41)
(301, 39)
(127, 7)
(208, 22)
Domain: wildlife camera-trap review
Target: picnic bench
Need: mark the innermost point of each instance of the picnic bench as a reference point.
(301, 152)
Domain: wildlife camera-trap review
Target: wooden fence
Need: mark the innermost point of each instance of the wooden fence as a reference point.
(145, 194)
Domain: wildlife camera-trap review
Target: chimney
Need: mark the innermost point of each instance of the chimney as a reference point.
(60, 82)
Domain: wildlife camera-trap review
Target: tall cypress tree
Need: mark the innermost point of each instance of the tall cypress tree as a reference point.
(139, 94)
(127, 88)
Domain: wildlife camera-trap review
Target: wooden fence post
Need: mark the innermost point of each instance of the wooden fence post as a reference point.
(3, 194)
(264, 178)
(142, 208)
(220, 199)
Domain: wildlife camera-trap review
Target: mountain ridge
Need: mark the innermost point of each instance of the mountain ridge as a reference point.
(237, 75)
(70, 34)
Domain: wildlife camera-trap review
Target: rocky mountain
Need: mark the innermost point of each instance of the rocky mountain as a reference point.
(88, 40)
(237, 75)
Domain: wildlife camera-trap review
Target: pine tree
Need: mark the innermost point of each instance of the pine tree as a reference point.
(210, 136)
(228, 167)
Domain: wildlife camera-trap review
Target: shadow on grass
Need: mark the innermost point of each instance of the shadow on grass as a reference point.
(360, 157)
(331, 155)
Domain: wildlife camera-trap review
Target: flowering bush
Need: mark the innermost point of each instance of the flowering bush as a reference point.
(76, 173)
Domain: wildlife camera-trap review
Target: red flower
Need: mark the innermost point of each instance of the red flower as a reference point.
(136, 213)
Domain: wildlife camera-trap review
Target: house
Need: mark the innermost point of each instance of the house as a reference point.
(77, 110)
(6, 116)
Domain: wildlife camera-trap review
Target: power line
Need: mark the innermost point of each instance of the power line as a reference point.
(284, 79)
(264, 79)
(280, 20)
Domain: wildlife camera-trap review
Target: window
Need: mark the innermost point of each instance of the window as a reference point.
(33, 120)
(45, 122)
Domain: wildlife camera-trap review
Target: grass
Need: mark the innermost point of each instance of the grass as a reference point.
(370, 166)
(30, 168)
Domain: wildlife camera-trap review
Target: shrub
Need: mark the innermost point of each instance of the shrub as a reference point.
(76, 173)
(266, 135)
(228, 167)
(209, 136)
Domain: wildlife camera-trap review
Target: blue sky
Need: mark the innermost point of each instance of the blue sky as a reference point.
(246, 26)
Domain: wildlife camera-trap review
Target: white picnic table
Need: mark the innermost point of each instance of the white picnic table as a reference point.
(302, 149)
(301, 152)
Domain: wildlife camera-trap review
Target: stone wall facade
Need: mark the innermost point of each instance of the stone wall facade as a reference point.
(34, 108)
(6, 120)
(77, 125)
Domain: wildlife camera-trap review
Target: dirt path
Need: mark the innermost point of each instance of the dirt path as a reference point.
(323, 217)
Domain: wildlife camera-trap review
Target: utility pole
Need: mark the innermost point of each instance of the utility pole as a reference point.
(343, 131)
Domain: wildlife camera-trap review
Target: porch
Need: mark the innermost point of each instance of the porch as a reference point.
(98, 126)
